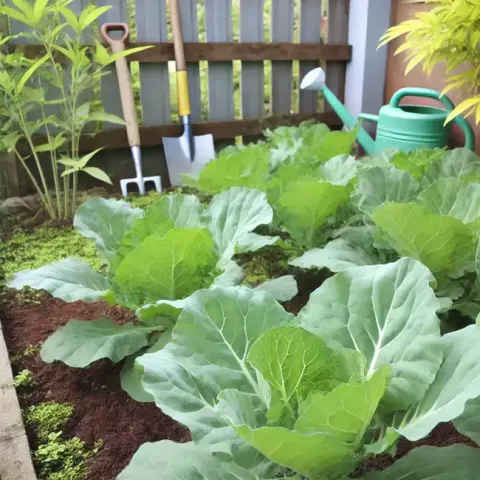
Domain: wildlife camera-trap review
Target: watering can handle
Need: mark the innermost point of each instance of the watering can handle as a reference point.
(435, 95)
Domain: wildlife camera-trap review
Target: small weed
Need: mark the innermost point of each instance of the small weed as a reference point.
(49, 417)
(24, 379)
(60, 459)
(30, 351)
(57, 458)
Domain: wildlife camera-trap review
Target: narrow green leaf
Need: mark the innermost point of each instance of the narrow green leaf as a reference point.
(98, 174)
(26, 76)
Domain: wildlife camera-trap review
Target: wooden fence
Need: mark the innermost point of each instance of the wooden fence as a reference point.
(294, 32)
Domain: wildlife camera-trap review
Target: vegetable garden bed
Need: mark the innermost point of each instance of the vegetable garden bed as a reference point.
(303, 314)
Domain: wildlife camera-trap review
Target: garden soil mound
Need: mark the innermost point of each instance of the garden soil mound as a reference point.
(103, 411)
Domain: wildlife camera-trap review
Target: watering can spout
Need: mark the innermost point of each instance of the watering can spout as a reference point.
(315, 82)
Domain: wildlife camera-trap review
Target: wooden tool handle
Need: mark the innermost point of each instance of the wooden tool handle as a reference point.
(124, 82)
(181, 65)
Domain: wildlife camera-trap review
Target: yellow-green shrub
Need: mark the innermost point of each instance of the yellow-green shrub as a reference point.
(449, 33)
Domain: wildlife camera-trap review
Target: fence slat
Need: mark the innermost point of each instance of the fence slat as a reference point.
(252, 79)
(110, 93)
(188, 9)
(337, 33)
(310, 32)
(218, 20)
(282, 31)
(151, 19)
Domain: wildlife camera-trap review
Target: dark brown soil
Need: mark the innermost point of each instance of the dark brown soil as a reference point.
(103, 411)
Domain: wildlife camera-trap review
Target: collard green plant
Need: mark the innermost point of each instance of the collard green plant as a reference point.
(268, 395)
(305, 171)
(53, 96)
(424, 205)
(154, 260)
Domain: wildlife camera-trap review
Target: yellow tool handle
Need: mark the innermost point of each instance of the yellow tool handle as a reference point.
(182, 93)
(181, 67)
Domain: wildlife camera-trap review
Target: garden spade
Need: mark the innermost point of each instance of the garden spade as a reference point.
(189, 153)
(128, 107)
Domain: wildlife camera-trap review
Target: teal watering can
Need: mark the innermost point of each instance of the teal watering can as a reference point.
(404, 127)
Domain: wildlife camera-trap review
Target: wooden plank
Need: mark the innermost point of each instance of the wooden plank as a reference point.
(151, 136)
(9, 182)
(110, 93)
(310, 32)
(252, 77)
(338, 11)
(218, 20)
(228, 51)
(151, 19)
(189, 21)
(282, 31)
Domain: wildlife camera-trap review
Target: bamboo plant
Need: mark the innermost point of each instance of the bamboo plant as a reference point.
(51, 96)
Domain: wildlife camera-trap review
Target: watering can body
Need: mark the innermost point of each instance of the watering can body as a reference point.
(403, 127)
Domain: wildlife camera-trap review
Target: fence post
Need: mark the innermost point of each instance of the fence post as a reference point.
(365, 79)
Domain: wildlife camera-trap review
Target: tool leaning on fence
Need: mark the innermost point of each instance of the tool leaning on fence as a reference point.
(189, 153)
(128, 107)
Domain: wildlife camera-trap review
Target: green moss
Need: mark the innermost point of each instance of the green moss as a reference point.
(24, 379)
(48, 418)
(55, 457)
(47, 244)
(59, 459)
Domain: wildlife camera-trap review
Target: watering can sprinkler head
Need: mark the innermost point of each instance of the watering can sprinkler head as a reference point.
(314, 80)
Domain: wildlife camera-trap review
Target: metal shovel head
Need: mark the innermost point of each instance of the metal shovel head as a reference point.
(178, 158)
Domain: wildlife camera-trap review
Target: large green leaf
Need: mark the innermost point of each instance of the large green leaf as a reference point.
(458, 163)
(294, 362)
(340, 170)
(327, 432)
(233, 215)
(210, 344)
(167, 460)
(69, 279)
(388, 313)
(337, 256)
(132, 373)
(427, 463)
(378, 185)
(468, 423)
(345, 412)
(106, 221)
(246, 167)
(228, 320)
(281, 289)
(416, 162)
(442, 243)
(305, 207)
(453, 197)
(172, 211)
(80, 343)
(168, 267)
(457, 381)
